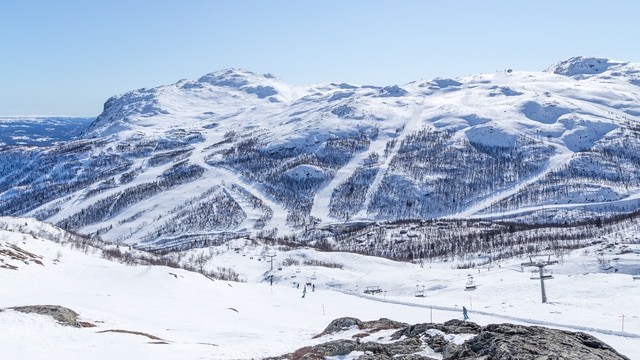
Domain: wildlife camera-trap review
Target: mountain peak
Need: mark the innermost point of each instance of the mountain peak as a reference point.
(234, 77)
(261, 85)
(584, 65)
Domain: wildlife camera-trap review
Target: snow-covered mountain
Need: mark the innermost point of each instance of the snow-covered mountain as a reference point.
(236, 153)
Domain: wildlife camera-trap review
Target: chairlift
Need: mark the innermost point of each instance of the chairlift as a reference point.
(542, 273)
(470, 285)
(546, 274)
(372, 290)
(606, 265)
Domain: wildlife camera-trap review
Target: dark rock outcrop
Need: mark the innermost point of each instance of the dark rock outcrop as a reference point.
(346, 323)
(509, 341)
(61, 314)
(491, 342)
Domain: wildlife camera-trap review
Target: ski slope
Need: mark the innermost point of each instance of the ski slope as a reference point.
(167, 313)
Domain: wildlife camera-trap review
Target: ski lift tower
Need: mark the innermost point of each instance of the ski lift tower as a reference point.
(541, 265)
(271, 256)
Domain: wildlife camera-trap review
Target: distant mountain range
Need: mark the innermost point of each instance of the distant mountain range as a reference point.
(236, 153)
(40, 130)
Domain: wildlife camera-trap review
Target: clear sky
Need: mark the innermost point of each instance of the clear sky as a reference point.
(65, 57)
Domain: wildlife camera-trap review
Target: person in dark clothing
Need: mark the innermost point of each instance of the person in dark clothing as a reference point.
(464, 313)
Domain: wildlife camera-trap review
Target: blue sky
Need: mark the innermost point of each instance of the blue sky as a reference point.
(68, 57)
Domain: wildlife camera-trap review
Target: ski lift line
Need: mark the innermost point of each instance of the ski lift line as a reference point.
(506, 317)
(554, 161)
(541, 272)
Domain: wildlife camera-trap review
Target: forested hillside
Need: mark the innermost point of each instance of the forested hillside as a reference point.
(241, 154)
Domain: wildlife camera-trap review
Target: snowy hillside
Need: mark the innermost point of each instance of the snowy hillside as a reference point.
(166, 313)
(241, 154)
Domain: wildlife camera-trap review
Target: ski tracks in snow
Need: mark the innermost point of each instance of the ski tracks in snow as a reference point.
(501, 316)
(554, 162)
(408, 125)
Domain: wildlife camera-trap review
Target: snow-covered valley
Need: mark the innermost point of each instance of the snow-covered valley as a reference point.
(166, 313)
(199, 212)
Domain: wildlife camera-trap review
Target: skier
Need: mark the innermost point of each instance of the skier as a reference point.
(464, 313)
(304, 292)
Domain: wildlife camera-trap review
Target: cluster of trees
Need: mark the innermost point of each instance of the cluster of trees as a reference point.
(52, 173)
(271, 169)
(218, 212)
(199, 262)
(327, 264)
(463, 239)
(206, 219)
(609, 171)
(434, 174)
(142, 147)
(256, 203)
(109, 206)
(471, 243)
(168, 157)
(113, 204)
(350, 195)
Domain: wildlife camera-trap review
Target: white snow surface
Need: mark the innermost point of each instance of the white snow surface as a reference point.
(569, 107)
(200, 318)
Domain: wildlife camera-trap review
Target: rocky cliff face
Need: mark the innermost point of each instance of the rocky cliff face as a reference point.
(386, 339)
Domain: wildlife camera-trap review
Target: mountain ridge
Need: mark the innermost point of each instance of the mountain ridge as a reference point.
(235, 153)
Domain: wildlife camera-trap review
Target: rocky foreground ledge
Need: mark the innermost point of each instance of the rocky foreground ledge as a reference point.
(453, 340)
(351, 338)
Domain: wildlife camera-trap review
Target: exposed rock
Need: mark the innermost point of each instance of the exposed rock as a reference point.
(61, 314)
(13, 253)
(509, 341)
(491, 342)
(346, 323)
(449, 327)
(340, 324)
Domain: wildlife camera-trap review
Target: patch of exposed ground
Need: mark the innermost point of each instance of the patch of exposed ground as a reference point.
(11, 252)
(64, 316)
(156, 339)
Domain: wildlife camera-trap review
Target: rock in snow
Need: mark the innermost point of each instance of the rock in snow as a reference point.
(442, 341)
